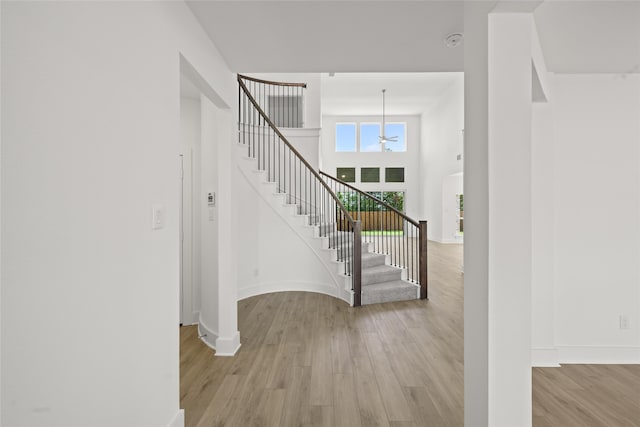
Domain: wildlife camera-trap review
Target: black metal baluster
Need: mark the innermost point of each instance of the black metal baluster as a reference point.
(288, 106)
(245, 100)
(410, 249)
(404, 243)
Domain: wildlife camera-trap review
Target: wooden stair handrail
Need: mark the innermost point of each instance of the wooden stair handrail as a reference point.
(267, 82)
(286, 141)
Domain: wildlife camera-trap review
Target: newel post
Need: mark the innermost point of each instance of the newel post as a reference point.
(422, 248)
(356, 269)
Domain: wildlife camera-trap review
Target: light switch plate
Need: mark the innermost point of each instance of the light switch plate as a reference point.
(158, 217)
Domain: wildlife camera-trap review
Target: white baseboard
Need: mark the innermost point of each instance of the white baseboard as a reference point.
(458, 241)
(228, 346)
(284, 286)
(192, 320)
(223, 346)
(178, 419)
(544, 357)
(196, 317)
(207, 335)
(618, 355)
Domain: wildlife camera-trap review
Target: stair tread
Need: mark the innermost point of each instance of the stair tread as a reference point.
(396, 284)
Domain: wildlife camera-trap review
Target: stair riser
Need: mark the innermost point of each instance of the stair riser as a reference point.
(387, 276)
(348, 252)
(373, 261)
(370, 262)
(388, 296)
(325, 229)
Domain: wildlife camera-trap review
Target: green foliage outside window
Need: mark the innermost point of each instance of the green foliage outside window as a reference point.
(352, 200)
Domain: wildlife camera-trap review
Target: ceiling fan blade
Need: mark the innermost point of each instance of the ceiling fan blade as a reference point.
(388, 139)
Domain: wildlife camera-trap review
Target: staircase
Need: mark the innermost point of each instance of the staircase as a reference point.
(384, 283)
(387, 264)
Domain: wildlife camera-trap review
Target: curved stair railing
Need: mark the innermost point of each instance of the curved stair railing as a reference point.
(388, 230)
(292, 174)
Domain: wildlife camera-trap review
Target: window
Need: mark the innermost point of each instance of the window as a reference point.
(369, 137)
(370, 175)
(376, 218)
(346, 174)
(345, 137)
(394, 175)
(399, 130)
(351, 201)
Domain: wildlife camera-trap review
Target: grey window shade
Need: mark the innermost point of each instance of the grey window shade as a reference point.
(370, 175)
(394, 175)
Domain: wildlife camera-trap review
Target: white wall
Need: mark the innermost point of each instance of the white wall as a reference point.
(90, 140)
(275, 257)
(542, 238)
(330, 160)
(597, 217)
(306, 142)
(452, 186)
(442, 141)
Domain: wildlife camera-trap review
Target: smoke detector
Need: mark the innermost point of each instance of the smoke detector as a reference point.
(453, 40)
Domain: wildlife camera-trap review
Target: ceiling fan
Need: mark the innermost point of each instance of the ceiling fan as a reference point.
(383, 137)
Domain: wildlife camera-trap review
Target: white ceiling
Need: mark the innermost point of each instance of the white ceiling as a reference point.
(407, 36)
(361, 93)
(338, 36)
(590, 36)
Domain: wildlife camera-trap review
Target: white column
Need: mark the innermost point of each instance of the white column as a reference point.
(228, 341)
(219, 312)
(498, 216)
(208, 325)
(510, 118)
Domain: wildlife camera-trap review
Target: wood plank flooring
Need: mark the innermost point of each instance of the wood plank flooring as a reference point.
(587, 395)
(311, 360)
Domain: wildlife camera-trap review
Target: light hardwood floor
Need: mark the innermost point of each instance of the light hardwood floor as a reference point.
(311, 360)
(587, 395)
